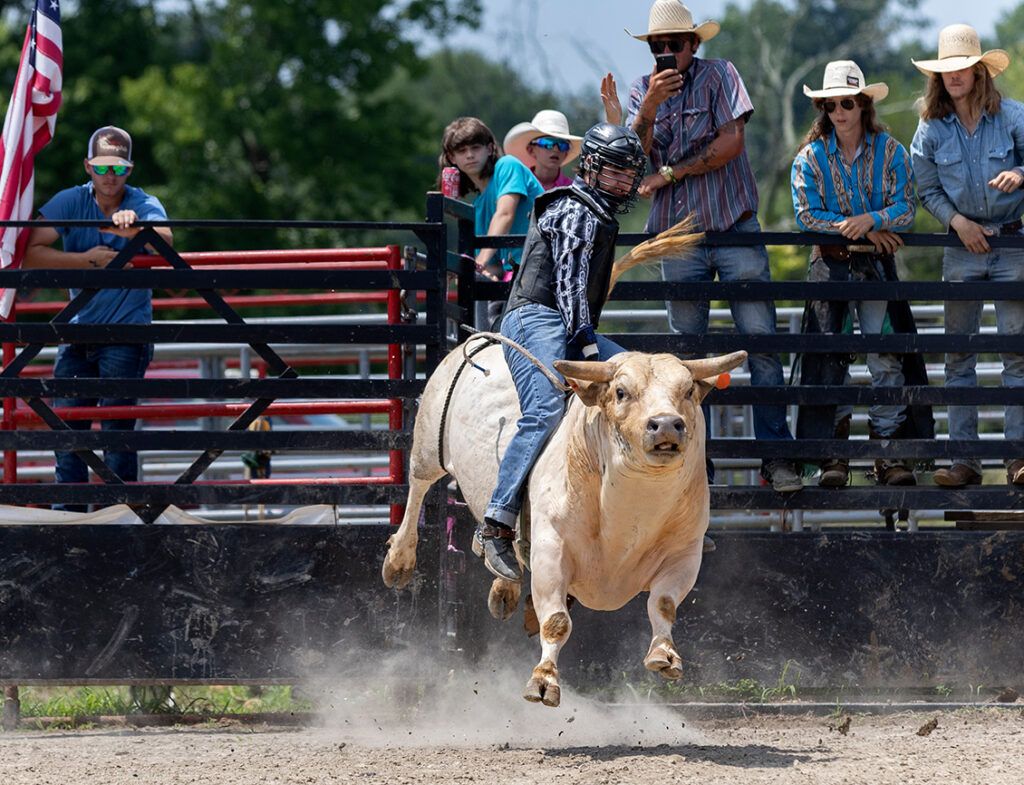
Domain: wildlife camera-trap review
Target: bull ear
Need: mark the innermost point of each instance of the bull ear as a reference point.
(587, 379)
(702, 388)
(586, 371)
(705, 386)
(588, 392)
(712, 366)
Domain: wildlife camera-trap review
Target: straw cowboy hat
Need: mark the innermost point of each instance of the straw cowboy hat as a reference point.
(669, 17)
(843, 78)
(546, 122)
(959, 48)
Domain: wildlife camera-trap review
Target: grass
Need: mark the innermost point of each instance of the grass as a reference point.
(112, 701)
(785, 687)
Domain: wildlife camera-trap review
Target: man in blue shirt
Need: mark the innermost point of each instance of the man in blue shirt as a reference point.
(968, 155)
(106, 196)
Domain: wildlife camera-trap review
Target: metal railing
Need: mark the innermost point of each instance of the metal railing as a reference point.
(745, 452)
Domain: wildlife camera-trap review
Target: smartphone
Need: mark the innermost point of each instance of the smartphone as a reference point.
(665, 62)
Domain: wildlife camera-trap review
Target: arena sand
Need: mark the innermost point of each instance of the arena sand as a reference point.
(478, 730)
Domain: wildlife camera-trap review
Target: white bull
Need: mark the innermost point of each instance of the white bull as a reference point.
(618, 500)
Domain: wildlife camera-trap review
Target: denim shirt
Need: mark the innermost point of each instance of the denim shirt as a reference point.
(953, 167)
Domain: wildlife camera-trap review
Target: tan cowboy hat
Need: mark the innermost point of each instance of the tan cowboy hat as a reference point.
(844, 77)
(546, 122)
(670, 16)
(959, 48)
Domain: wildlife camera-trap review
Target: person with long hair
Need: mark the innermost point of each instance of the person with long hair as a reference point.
(968, 155)
(853, 179)
(506, 189)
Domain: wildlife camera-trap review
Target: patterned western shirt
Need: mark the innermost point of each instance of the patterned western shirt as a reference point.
(879, 182)
(953, 167)
(713, 94)
(570, 228)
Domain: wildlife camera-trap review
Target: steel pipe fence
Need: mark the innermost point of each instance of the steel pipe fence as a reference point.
(314, 270)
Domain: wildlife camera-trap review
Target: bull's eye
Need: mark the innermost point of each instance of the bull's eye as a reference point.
(620, 394)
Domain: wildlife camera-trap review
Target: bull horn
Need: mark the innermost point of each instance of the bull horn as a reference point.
(712, 366)
(586, 371)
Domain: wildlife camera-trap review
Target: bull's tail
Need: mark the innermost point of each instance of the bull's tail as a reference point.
(674, 242)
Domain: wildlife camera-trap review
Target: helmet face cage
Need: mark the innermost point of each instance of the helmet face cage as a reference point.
(607, 145)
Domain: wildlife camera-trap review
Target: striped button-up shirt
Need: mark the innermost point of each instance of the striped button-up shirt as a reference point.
(713, 94)
(954, 167)
(879, 182)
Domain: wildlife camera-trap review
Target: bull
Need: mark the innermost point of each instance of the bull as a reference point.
(618, 501)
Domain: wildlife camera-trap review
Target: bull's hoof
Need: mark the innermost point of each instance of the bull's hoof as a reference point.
(503, 599)
(663, 659)
(539, 691)
(543, 685)
(397, 572)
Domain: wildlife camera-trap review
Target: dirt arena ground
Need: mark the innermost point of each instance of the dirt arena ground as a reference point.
(581, 744)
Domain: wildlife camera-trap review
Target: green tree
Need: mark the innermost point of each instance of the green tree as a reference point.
(249, 109)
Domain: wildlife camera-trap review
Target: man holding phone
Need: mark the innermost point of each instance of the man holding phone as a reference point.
(690, 115)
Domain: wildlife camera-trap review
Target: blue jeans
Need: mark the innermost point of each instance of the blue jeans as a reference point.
(94, 361)
(690, 317)
(886, 369)
(964, 318)
(540, 330)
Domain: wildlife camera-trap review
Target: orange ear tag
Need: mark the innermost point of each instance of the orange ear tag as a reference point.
(723, 381)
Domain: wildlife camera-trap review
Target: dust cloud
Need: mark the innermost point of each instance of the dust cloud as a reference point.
(409, 700)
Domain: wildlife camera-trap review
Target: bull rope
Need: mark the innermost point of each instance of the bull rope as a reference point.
(467, 359)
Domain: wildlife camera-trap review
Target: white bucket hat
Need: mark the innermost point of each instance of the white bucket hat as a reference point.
(959, 48)
(546, 122)
(669, 17)
(843, 78)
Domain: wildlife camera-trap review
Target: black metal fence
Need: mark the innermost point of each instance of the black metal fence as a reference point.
(447, 238)
(925, 496)
(223, 603)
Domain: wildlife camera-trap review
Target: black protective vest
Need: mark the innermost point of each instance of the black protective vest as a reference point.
(534, 282)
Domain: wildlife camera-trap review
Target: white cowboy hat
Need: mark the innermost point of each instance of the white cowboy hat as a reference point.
(670, 16)
(546, 122)
(959, 48)
(844, 77)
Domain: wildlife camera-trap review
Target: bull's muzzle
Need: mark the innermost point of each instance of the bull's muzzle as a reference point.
(665, 433)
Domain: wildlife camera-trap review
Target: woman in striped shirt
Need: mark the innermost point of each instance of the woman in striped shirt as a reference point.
(853, 179)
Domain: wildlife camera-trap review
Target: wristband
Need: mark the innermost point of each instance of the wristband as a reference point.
(590, 351)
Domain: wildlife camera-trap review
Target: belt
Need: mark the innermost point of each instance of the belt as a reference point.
(1013, 227)
(842, 253)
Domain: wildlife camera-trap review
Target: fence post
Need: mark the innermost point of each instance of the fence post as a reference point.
(396, 467)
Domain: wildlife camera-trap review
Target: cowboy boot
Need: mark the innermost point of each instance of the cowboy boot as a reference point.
(891, 472)
(835, 472)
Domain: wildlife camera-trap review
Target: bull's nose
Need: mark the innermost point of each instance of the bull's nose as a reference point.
(666, 427)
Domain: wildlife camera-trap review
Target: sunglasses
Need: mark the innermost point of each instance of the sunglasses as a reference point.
(846, 103)
(547, 143)
(676, 45)
(102, 169)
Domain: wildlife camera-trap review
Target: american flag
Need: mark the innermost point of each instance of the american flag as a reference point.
(28, 128)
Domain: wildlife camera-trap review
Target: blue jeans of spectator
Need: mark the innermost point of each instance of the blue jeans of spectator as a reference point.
(96, 361)
(964, 318)
(541, 330)
(886, 369)
(690, 317)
